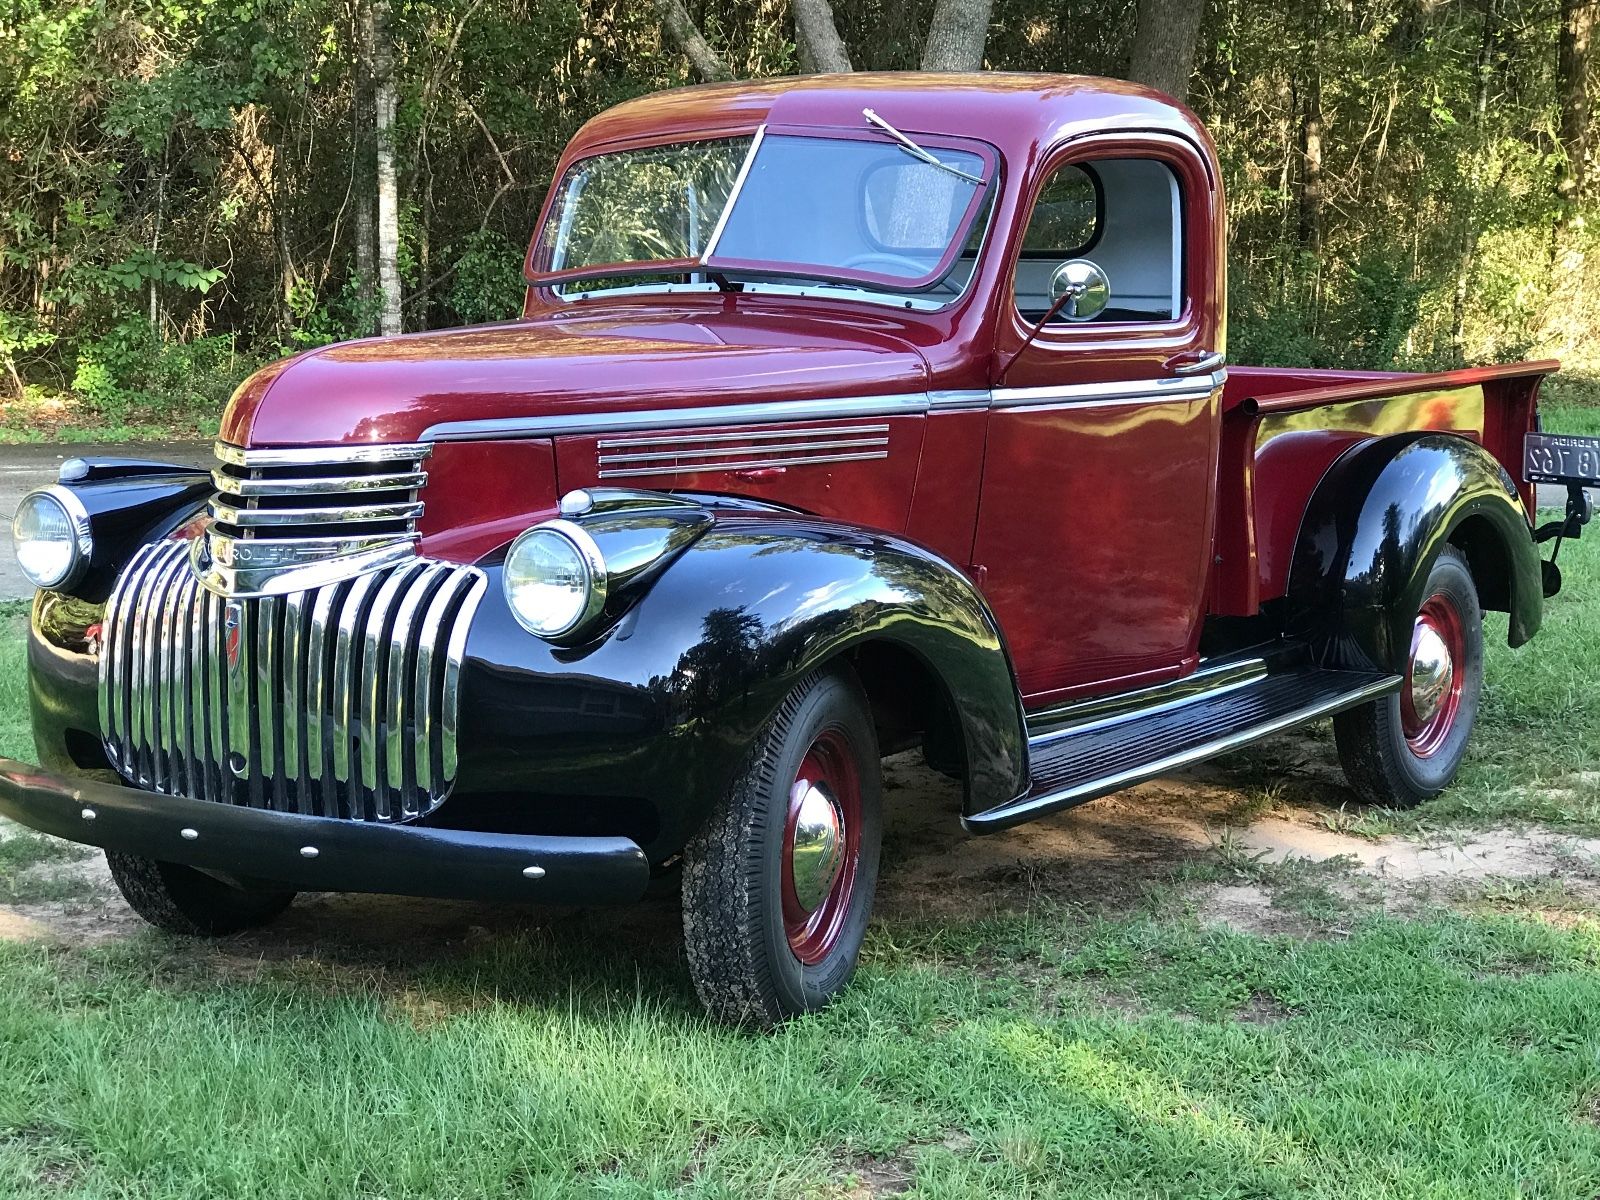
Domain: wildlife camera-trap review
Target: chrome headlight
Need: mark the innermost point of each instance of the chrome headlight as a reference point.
(555, 579)
(52, 538)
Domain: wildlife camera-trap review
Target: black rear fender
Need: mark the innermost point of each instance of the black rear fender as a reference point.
(1374, 528)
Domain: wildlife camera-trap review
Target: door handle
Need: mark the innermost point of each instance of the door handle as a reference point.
(1195, 362)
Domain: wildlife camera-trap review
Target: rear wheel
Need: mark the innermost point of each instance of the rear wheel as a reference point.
(183, 900)
(1405, 748)
(778, 885)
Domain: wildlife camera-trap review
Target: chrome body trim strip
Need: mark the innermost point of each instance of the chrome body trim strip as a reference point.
(253, 701)
(1089, 395)
(650, 456)
(770, 412)
(750, 464)
(747, 435)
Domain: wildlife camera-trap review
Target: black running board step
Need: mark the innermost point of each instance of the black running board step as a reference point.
(1068, 768)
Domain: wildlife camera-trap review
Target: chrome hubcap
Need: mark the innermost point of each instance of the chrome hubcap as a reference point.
(1432, 672)
(816, 854)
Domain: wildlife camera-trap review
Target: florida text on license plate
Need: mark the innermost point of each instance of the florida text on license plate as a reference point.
(1561, 458)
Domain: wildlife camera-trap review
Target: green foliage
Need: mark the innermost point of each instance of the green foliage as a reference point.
(130, 368)
(488, 278)
(206, 165)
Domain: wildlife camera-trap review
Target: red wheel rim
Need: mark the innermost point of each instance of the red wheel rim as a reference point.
(1431, 695)
(821, 847)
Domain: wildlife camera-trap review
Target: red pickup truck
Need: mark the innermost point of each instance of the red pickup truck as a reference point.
(845, 415)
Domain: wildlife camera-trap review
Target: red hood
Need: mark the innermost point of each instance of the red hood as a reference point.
(633, 357)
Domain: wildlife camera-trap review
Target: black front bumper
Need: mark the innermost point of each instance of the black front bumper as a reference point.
(320, 854)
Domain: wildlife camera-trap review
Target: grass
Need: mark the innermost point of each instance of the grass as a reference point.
(1049, 1051)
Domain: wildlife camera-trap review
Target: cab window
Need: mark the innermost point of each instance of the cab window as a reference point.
(1122, 214)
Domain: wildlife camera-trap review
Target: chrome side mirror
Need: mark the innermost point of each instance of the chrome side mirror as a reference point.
(1080, 289)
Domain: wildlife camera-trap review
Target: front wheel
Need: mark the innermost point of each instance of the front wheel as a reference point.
(183, 900)
(1405, 748)
(778, 885)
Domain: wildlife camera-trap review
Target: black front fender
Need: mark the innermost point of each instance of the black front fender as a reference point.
(1374, 528)
(663, 706)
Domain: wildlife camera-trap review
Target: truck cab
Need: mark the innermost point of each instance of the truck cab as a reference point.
(845, 415)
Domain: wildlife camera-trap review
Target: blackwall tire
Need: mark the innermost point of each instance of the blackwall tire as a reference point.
(1405, 748)
(182, 900)
(772, 925)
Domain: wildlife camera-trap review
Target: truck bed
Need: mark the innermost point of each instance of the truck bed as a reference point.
(1282, 428)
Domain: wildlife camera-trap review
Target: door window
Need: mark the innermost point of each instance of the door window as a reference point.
(1122, 214)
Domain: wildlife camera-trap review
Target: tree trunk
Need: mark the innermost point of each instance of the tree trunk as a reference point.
(1572, 78)
(383, 92)
(1311, 165)
(1163, 44)
(817, 38)
(956, 35)
(685, 34)
(1466, 214)
(363, 180)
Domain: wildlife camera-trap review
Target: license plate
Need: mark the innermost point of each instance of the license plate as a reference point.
(1561, 458)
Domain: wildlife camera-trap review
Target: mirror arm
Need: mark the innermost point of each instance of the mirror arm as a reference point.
(1034, 332)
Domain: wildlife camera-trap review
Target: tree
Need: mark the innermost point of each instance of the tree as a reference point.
(686, 35)
(1572, 82)
(817, 38)
(384, 104)
(1164, 43)
(956, 35)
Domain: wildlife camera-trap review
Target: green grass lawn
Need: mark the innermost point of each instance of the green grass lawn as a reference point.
(1104, 1049)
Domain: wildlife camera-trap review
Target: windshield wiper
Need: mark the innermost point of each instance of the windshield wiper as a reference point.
(917, 151)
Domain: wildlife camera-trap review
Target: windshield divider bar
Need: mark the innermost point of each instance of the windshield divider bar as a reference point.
(733, 195)
(917, 151)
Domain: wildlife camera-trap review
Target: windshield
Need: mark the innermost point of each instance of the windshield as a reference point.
(860, 213)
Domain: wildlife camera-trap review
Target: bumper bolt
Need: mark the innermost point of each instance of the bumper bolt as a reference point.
(309, 852)
(188, 835)
(88, 814)
(533, 872)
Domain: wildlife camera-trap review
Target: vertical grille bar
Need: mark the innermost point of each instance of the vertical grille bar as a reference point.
(345, 682)
(317, 702)
(204, 753)
(404, 657)
(340, 701)
(217, 695)
(265, 669)
(236, 654)
(293, 672)
(450, 697)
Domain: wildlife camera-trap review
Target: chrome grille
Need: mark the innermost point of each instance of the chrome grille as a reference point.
(339, 701)
(286, 520)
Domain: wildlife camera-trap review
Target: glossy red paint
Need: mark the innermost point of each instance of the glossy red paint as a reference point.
(1284, 428)
(1094, 527)
(1106, 532)
(480, 495)
(872, 488)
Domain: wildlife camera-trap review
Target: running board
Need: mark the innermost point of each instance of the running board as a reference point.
(1072, 765)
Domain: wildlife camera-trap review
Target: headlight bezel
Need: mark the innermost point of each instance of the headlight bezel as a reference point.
(82, 535)
(596, 578)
